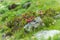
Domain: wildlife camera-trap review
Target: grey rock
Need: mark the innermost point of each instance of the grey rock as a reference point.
(46, 34)
(57, 16)
(27, 4)
(34, 24)
(3, 36)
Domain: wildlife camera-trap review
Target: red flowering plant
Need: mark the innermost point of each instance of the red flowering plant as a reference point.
(18, 22)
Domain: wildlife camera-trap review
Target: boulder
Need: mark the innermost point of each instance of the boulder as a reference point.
(46, 34)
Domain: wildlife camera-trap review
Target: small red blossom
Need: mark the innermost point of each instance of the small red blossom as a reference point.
(28, 20)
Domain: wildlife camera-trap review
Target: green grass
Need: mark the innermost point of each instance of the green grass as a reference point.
(36, 5)
(56, 26)
(52, 27)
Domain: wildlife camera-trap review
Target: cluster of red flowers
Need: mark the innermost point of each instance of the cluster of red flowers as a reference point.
(28, 18)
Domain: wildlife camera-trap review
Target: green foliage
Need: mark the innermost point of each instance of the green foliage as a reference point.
(13, 20)
(56, 37)
(48, 20)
